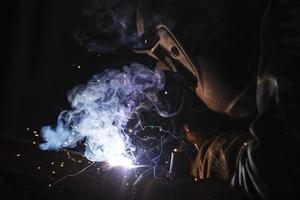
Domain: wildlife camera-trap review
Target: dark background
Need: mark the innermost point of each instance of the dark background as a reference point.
(40, 64)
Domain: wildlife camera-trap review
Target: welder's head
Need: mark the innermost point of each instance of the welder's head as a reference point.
(210, 43)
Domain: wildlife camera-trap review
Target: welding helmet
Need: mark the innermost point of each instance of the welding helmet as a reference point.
(210, 43)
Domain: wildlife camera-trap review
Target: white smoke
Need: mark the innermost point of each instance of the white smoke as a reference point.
(100, 113)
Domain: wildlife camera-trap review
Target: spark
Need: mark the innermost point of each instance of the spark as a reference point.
(71, 175)
(100, 113)
(111, 134)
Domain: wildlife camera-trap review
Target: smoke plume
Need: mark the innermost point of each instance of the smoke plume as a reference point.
(100, 111)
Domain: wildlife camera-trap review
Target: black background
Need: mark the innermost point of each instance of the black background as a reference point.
(40, 64)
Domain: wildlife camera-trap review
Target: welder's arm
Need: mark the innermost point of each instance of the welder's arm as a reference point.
(262, 163)
(269, 167)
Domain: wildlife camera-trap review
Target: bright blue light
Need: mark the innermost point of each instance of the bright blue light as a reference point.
(100, 113)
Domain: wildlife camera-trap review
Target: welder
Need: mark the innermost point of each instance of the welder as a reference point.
(260, 84)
